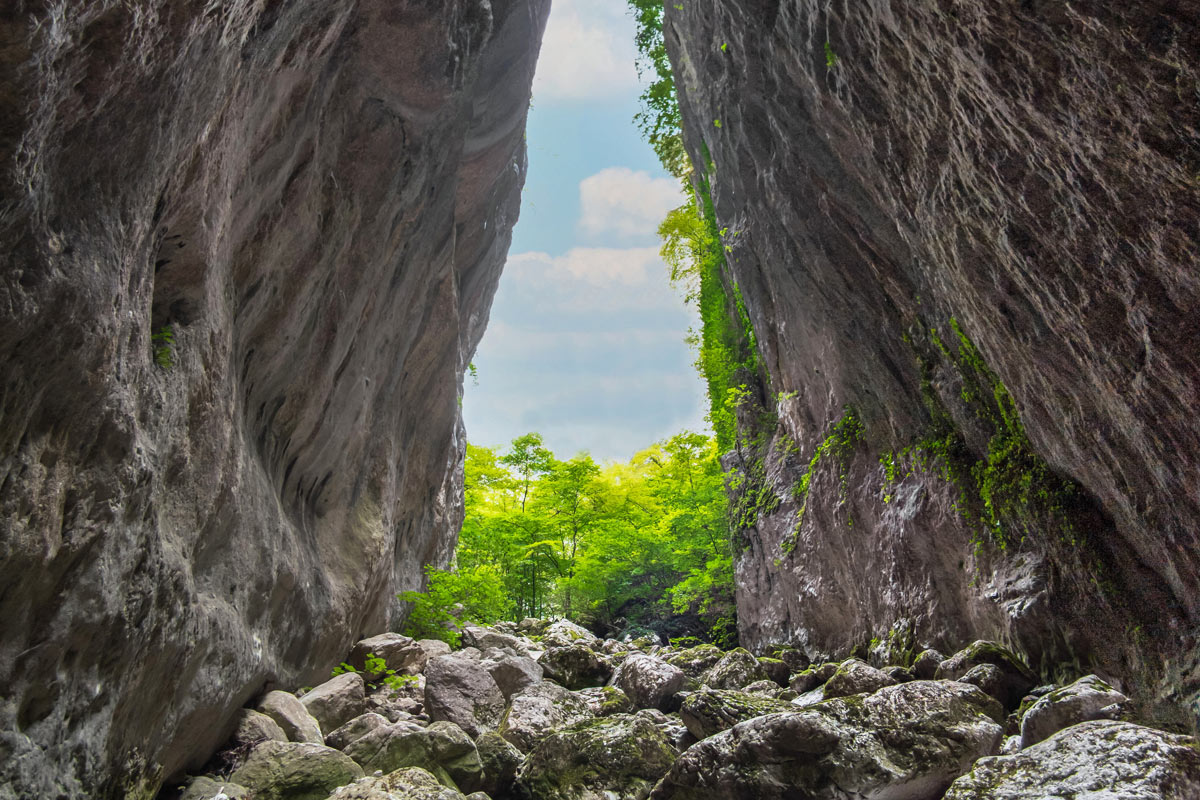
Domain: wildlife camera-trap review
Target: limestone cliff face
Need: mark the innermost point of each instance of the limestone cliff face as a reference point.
(314, 200)
(977, 227)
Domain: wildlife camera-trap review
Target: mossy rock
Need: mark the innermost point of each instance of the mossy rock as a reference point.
(695, 661)
(295, 771)
(619, 756)
(714, 710)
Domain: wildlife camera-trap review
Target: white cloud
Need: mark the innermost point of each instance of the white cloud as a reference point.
(588, 349)
(587, 52)
(628, 203)
(570, 278)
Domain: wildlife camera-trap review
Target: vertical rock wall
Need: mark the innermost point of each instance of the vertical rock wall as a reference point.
(248, 248)
(976, 227)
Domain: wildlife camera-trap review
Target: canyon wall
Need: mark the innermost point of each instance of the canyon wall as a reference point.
(248, 250)
(967, 236)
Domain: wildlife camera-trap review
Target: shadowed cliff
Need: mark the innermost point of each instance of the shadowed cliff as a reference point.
(248, 250)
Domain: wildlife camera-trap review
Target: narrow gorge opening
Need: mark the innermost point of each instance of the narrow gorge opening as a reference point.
(833, 435)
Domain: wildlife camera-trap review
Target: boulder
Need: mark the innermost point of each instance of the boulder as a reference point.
(412, 783)
(291, 715)
(443, 749)
(1017, 677)
(671, 726)
(1092, 760)
(925, 665)
(648, 681)
(433, 648)
(564, 633)
(1088, 698)
(538, 710)
(776, 670)
(813, 677)
(512, 673)
(795, 658)
(714, 710)
(899, 674)
(695, 661)
(355, 729)
(905, 741)
(576, 666)
(336, 701)
(990, 678)
(254, 726)
(486, 638)
(532, 626)
(500, 762)
(620, 756)
(206, 788)
(736, 669)
(604, 701)
(294, 771)
(856, 677)
(400, 652)
(462, 691)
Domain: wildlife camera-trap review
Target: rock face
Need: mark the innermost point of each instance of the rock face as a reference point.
(974, 225)
(246, 251)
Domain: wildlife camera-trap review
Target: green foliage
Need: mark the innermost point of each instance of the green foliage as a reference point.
(620, 544)
(453, 598)
(343, 668)
(831, 58)
(659, 120)
(162, 344)
(843, 439)
(1010, 492)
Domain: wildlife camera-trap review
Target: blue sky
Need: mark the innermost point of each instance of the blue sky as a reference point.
(586, 339)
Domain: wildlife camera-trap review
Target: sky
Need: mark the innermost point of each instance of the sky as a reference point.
(586, 343)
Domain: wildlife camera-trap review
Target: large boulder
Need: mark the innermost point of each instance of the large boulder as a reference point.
(254, 727)
(411, 783)
(777, 670)
(648, 681)
(856, 677)
(564, 633)
(604, 701)
(512, 672)
(576, 666)
(442, 748)
(926, 664)
(736, 669)
(615, 757)
(337, 701)
(294, 771)
(711, 711)
(500, 760)
(1017, 678)
(540, 709)
(355, 729)
(485, 639)
(695, 661)
(401, 653)
(462, 691)
(909, 741)
(291, 716)
(816, 675)
(1090, 761)
(1086, 699)
(206, 788)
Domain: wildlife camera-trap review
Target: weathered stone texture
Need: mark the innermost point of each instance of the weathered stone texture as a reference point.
(1029, 171)
(317, 197)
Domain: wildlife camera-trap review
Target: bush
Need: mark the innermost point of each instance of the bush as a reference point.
(452, 599)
